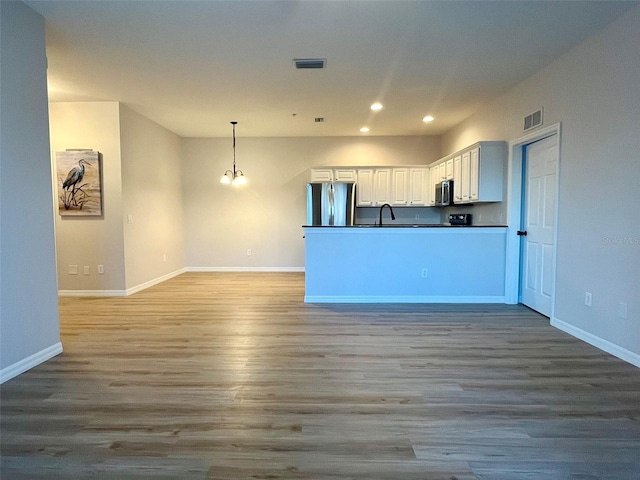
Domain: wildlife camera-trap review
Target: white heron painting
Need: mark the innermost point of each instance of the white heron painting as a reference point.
(79, 182)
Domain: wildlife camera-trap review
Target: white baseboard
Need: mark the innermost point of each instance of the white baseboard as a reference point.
(120, 293)
(155, 281)
(31, 361)
(402, 299)
(92, 293)
(245, 269)
(615, 350)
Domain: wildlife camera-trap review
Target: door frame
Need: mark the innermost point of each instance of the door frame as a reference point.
(515, 203)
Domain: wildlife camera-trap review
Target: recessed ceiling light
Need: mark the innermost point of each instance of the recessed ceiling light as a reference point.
(376, 107)
(364, 129)
(427, 119)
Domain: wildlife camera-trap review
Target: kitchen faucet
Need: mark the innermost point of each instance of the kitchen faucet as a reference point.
(393, 217)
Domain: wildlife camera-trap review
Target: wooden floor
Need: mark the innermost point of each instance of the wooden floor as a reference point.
(232, 376)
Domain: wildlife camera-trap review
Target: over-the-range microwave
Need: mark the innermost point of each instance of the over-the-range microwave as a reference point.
(444, 193)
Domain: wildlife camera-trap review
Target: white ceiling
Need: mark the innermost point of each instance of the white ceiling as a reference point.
(193, 66)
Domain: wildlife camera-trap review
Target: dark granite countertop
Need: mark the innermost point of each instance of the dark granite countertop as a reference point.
(406, 225)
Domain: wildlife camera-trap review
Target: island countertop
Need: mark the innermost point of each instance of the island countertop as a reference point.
(405, 264)
(406, 225)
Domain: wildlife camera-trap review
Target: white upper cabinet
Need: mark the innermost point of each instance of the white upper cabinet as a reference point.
(395, 186)
(365, 187)
(400, 187)
(449, 169)
(434, 179)
(442, 168)
(478, 173)
(345, 175)
(464, 177)
(322, 175)
(474, 177)
(333, 174)
(457, 179)
(418, 186)
(382, 186)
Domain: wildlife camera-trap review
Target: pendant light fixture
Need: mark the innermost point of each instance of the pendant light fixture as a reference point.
(234, 177)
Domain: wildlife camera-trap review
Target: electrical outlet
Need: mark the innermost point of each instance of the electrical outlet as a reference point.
(248, 252)
(417, 217)
(587, 298)
(100, 269)
(129, 218)
(164, 257)
(87, 270)
(424, 273)
(73, 269)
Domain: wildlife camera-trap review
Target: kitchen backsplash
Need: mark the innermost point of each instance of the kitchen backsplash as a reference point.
(483, 214)
(407, 215)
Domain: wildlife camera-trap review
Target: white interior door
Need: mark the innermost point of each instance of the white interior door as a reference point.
(539, 223)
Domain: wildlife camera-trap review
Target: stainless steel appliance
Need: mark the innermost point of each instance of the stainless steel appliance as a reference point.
(331, 204)
(444, 193)
(460, 219)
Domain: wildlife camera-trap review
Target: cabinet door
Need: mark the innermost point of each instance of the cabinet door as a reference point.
(344, 175)
(364, 188)
(382, 186)
(418, 183)
(443, 171)
(464, 176)
(400, 190)
(322, 175)
(434, 174)
(449, 169)
(474, 170)
(457, 179)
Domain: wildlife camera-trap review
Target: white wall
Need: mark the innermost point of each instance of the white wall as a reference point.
(29, 328)
(141, 175)
(266, 215)
(91, 241)
(594, 92)
(151, 187)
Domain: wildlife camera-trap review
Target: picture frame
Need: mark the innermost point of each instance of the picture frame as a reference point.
(79, 182)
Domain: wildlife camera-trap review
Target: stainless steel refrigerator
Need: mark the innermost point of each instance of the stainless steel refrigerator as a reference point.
(331, 204)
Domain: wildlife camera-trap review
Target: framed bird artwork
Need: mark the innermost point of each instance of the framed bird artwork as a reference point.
(79, 182)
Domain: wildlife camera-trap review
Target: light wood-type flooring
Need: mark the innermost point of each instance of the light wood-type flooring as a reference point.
(232, 376)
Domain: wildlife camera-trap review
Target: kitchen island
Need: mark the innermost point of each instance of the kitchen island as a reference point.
(405, 264)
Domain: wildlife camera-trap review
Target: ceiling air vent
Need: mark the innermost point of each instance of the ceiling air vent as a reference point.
(301, 63)
(533, 120)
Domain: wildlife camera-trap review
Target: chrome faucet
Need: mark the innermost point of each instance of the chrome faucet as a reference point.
(393, 217)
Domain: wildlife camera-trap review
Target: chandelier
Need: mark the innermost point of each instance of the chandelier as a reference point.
(234, 177)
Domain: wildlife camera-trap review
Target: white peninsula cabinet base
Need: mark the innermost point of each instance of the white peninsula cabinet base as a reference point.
(405, 265)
